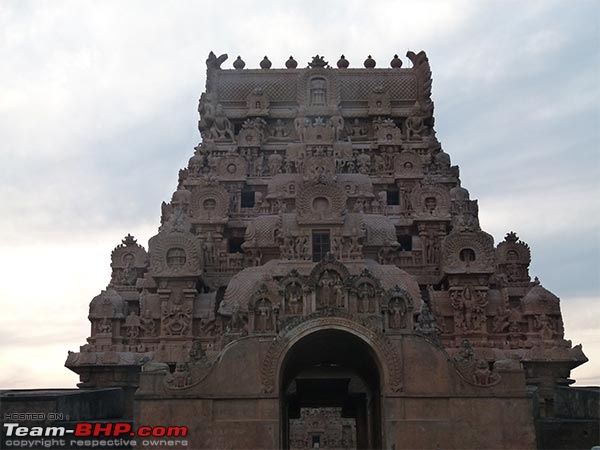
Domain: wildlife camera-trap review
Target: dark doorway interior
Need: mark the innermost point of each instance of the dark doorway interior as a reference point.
(330, 393)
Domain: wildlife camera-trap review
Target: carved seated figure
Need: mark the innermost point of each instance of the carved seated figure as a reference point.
(221, 127)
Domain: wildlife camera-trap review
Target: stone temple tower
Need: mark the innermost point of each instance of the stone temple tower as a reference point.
(320, 278)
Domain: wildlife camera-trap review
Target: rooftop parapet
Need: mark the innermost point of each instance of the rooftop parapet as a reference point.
(320, 89)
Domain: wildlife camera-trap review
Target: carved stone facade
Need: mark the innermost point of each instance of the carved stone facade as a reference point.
(320, 205)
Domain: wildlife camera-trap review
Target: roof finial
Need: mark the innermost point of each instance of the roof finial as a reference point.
(343, 63)
(318, 61)
(265, 63)
(239, 63)
(291, 63)
(396, 63)
(369, 62)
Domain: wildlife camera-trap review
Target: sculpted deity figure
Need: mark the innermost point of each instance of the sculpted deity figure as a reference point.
(426, 323)
(407, 205)
(364, 163)
(147, 323)
(501, 320)
(330, 293)
(221, 127)
(275, 162)
(337, 123)
(366, 298)
(209, 250)
(397, 313)
(431, 249)
(129, 274)
(544, 326)
(279, 130)
(237, 323)
(465, 354)
(259, 162)
(105, 326)
(482, 373)
(206, 108)
(384, 255)
(263, 316)
(300, 125)
(294, 298)
(355, 245)
(357, 129)
(469, 309)
(379, 164)
(132, 323)
(415, 127)
(337, 247)
(177, 319)
(181, 377)
(196, 352)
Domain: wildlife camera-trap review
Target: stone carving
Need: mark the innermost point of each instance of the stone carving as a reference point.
(415, 128)
(469, 309)
(147, 324)
(263, 311)
(214, 62)
(258, 103)
(213, 124)
(238, 324)
(133, 326)
(294, 298)
(386, 131)
(232, 168)
(295, 247)
(318, 61)
(210, 204)
(330, 290)
(190, 372)
(399, 308)
(469, 252)
(174, 254)
(545, 327)
(176, 319)
(379, 102)
(474, 371)
(408, 165)
(263, 316)
(434, 201)
(321, 200)
(423, 71)
(513, 258)
(128, 261)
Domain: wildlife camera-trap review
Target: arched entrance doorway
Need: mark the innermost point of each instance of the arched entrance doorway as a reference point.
(330, 393)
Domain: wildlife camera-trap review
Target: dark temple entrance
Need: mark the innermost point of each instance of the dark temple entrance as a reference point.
(330, 393)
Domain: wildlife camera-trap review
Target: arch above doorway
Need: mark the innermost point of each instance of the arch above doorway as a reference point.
(385, 354)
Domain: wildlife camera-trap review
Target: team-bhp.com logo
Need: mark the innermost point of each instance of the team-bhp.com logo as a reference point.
(85, 434)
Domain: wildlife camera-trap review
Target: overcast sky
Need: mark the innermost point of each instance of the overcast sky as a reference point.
(98, 112)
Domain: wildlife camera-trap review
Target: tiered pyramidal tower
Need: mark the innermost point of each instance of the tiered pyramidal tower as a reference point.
(321, 201)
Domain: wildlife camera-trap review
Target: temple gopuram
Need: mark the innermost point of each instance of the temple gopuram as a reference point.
(320, 279)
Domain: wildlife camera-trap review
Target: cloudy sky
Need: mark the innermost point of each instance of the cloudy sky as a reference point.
(98, 112)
